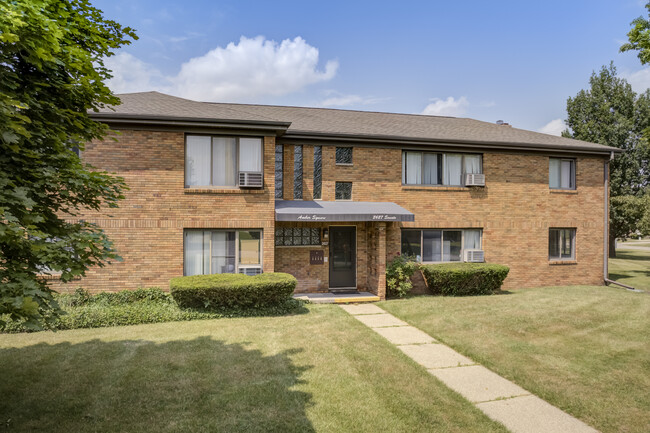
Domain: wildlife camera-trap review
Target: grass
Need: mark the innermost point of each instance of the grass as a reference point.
(631, 267)
(583, 349)
(317, 372)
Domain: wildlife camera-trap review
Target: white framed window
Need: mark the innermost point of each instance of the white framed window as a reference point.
(430, 168)
(222, 252)
(561, 244)
(217, 160)
(562, 173)
(440, 245)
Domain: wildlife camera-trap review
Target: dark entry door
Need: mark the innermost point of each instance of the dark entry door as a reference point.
(343, 257)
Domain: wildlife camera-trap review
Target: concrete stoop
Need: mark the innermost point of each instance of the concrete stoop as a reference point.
(337, 298)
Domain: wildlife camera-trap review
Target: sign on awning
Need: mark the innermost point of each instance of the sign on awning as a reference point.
(324, 211)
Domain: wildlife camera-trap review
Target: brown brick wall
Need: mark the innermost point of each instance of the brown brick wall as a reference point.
(147, 228)
(515, 210)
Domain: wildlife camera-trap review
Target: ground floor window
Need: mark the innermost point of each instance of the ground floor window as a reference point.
(222, 252)
(561, 244)
(439, 245)
(292, 236)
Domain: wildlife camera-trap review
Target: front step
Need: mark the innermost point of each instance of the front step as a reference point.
(337, 298)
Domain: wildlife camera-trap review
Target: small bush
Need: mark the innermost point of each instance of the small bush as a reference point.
(232, 290)
(398, 277)
(464, 279)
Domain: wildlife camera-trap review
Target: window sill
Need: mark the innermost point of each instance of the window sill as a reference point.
(562, 262)
(563, 191)
(299, 246)
(435, 188)
(223, 191)
(345, 164)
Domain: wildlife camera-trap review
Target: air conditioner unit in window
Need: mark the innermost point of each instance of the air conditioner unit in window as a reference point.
(250, 179)
(474, 256)
(474, 179)
(250, 271)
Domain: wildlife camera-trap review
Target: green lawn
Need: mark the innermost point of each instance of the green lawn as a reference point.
(631, 267)
(584, 349)
(320, 371)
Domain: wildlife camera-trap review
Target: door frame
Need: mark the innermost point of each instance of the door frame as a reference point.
(356, 255)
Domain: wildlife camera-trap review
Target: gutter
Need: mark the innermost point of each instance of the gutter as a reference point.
(606, 219)
(387, 139)
(189, 121)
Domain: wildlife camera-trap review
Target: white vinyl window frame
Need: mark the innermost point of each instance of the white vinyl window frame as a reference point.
(441, 167)
(462, 243)
(237, 162)
(238, 265)
(562, 173)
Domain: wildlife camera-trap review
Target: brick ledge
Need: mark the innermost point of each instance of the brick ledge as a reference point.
(562, 262)
(223, 191)
(436, 188)
(563, 191)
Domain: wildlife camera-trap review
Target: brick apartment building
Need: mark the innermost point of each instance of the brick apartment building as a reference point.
(331, 196)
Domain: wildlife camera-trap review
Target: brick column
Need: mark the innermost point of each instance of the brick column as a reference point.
(381, 260)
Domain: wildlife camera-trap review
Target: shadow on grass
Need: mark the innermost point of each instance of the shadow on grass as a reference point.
(142, 386)
(631, 255)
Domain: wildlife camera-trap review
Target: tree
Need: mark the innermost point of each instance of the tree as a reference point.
(51, 73)
(611, 113)
(639, 38)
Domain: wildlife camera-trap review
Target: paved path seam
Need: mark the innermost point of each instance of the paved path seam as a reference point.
(500, 399)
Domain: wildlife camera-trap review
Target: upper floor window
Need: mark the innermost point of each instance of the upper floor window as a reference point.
(561, 244)
(428, 168)
(279, 171)
(344, 155)
(562, 173)
(318, 172)
(297, 172)
(218, 161)
(343, 191)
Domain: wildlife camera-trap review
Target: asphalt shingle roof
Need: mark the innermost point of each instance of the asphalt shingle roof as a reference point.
(360, 124)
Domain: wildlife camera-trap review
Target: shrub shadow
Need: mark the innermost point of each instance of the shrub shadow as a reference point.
(143, 386)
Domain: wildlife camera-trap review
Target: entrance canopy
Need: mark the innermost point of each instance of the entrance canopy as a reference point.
(298, 210)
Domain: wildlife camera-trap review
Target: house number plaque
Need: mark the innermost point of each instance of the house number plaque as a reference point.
(316, 257)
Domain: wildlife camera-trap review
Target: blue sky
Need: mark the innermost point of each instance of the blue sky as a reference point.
(513, 60)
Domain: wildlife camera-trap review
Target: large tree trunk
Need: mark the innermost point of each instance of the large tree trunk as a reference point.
(612, 246)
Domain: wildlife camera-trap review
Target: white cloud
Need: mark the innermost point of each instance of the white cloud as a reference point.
(131, 74)
(554, 127)
(240, 72)
(340, 100)
(639, 80)
(447, 107)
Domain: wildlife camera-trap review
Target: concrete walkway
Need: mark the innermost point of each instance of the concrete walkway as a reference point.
(498, 398)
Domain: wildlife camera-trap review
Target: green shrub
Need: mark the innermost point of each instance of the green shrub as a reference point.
(232, 290)
(464, 279)
(83, 297)
(398, 277)
(133, 307)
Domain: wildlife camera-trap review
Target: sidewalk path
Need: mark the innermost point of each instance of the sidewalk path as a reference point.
(498, 398)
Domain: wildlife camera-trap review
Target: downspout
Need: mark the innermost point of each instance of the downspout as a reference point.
(606, 234)
(606, 219)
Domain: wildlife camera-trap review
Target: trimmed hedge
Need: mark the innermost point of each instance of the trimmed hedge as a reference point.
(133, 307)
(464, 279)
(232, 290)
